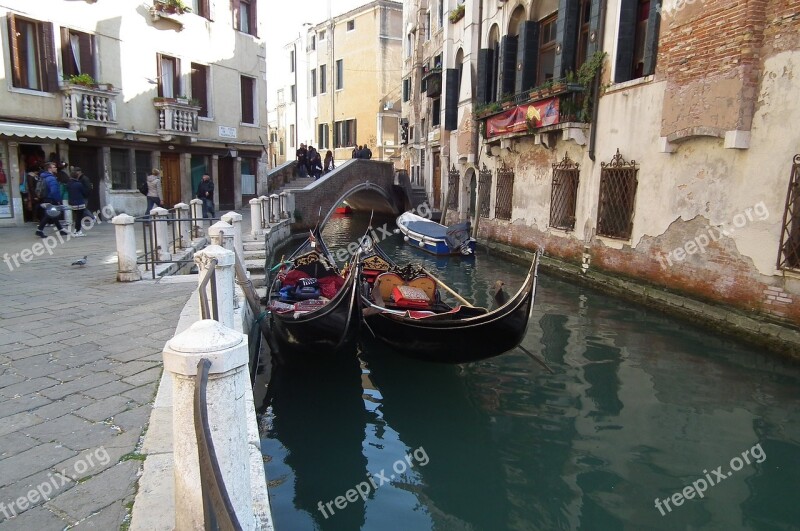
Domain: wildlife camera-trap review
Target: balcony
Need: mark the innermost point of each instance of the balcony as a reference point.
(176, 117)
(86, 105)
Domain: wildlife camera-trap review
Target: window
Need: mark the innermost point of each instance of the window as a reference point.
(248, 172)
(313, 83)
(440, 15)
(547, 50)
(323, 79)
(345, 133)
(422, 129)
(351, 25)
(144, 165)
(293, 94)
(409, 44)
(168, 76)
(201, 8)
(564, 194)
(789, 254)
(582, 51)
(436, 111)
(323, 136)
(484, 187)
(120, 170)
(427, 25)
(200, 87)
(291, 61)
(33, 61)
(406, 89)
(322, 35)
(291, 135)
(248, 85)
(244, 16)
(313, 43)
(618, 182)
(412, 134)
(642, 15)
(339, 74)
(637, 40)
(505, 193)
(77, 53)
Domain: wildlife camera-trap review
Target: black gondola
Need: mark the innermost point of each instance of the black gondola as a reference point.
(303, 322)
(402, 308)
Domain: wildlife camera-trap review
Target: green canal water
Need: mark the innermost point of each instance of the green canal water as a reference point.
(638, 407)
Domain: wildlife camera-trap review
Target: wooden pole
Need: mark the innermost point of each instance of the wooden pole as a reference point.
(481, 194)
(443, 221)
(450, 290)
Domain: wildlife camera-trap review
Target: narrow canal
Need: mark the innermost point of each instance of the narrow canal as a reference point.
(638, 407)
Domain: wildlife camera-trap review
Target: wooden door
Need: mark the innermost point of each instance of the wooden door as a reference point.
(225, 184)
(437, 180)
(170, 179)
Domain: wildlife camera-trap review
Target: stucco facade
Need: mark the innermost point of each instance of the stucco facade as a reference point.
(702, 125)
(187, 94)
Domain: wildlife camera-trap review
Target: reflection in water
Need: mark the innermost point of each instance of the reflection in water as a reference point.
(637, 408)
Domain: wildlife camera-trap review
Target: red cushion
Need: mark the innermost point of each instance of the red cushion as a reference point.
(330, 286)
(408, 297)
(293, 276)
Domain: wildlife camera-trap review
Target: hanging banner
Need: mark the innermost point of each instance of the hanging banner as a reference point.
(523, 118)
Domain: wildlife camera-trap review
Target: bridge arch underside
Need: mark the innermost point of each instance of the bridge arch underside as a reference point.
(367, 199)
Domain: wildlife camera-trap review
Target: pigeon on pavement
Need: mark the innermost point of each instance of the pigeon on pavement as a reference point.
(81, 262)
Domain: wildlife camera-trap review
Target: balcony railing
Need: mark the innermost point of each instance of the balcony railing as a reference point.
(87, 105)
(176, 117)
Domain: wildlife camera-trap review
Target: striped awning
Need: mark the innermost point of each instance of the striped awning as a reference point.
(36, 131)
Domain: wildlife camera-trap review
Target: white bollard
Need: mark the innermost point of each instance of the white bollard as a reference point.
(158, 216)
(197, 212)
(221, 233)
(274, 208)
(256, 221)
(127, 269)
(224, 281)
(235, 220)
(227, 418)
(284, 212)
(184, 226)
(67, 215)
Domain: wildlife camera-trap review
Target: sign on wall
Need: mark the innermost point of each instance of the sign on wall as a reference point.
(523, 118)
(227, 132)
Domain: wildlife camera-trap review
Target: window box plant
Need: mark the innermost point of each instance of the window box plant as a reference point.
(81, 79)
(456, 14)
(172, 7)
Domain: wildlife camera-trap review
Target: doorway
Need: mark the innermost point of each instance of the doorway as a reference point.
(437, 180)
(225, 181)
(170, 179)
(88, 160)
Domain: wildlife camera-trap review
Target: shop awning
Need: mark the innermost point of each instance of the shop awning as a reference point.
(36, 131)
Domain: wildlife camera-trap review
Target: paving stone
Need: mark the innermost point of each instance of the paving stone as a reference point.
(79, 359)
(19, 404)
(84, 338)
(25, 351)
(40, 519)
(17, 422)
(150, 375)
(35, 490)
(72, 432)
(28, 386)
(99, 491)
(65, 406)
(109, 389)
(76, 386)
(91, 462)
(14, 443)
(133, 419)
(144, 394)
(32, 461)
(10, 379)
(103, 409)
(130, 368)
(137, 353)
(110, 517)
(48, 368)
(15, 337)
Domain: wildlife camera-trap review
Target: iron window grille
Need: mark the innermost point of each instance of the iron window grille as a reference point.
(484, 191)
(505, 193)
(789, 250)
(564, 194)
(618, 182)
(453, 180)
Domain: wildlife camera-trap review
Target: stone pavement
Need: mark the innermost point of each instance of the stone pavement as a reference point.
(80, 361)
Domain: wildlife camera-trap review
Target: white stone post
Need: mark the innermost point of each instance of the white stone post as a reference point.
(197, 212)
(158, 215)
(184, 226)
(266, 216)
(67, 215)
(275, 208)
(283, 212)
(227, 418)
(221, 233)
(125, 227)
(289, 205)
(235, 220)
(256, 221)
(224, 280)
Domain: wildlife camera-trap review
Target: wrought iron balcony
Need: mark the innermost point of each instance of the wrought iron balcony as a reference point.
(89, 105)
(176, 117)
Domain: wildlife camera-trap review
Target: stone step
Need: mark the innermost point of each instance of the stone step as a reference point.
(258, 279)
(254, 266)
(255, 255)
(253, 245)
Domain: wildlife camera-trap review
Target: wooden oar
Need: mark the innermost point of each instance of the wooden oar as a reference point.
(449, 290)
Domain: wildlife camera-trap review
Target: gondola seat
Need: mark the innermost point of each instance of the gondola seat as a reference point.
(426, 284)
(386, 282)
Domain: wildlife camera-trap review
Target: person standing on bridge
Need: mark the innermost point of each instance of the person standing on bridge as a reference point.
(301, 160)
(328, 165)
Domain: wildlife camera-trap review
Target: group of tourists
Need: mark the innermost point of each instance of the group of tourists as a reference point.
(362, 152)
(47, 189)
(205, 192)
(310, 163)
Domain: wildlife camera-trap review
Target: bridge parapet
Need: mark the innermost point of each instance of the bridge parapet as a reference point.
(278, 176)
(365, 184)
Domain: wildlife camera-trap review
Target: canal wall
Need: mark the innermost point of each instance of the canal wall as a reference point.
(754, 329)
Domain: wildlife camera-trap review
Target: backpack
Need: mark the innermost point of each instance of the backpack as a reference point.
(143, 188)
(41, 188)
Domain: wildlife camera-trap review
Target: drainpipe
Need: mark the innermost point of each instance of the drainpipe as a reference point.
(476, 132)
(296, 98)
(596, 86)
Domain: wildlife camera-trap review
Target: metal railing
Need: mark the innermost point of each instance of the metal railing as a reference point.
(150, 258)
(209, 311)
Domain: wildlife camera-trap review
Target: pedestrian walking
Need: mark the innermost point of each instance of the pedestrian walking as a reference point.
(205, 193)
(77, 194)
(302, 153)
(51, 199)
(88, 187)
(153, 190)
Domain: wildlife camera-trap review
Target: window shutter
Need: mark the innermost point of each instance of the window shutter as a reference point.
(627, 32)
(484, 62)
(451, 100)
(235, 11)
(509, 68)
(87, 54)
(176, 80)
(247, 100)
(568, 28)
(67, 62)
(199, 91)
(527, 56)
(16, 61)
(48, 57)
(253, 18)
(651, 39)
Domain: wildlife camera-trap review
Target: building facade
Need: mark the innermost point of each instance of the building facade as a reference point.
(119, 88)
(342, 83)
(651, 141)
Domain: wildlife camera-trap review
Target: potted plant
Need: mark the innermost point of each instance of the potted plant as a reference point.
(507, 101)
(171, 6)
(456, 14)
(559, 86)
(587, 73)
(81, 79)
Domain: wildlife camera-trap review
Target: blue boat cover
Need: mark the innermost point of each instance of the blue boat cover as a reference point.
(428, 228)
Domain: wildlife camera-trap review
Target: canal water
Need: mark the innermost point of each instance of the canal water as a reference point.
(638, 407)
